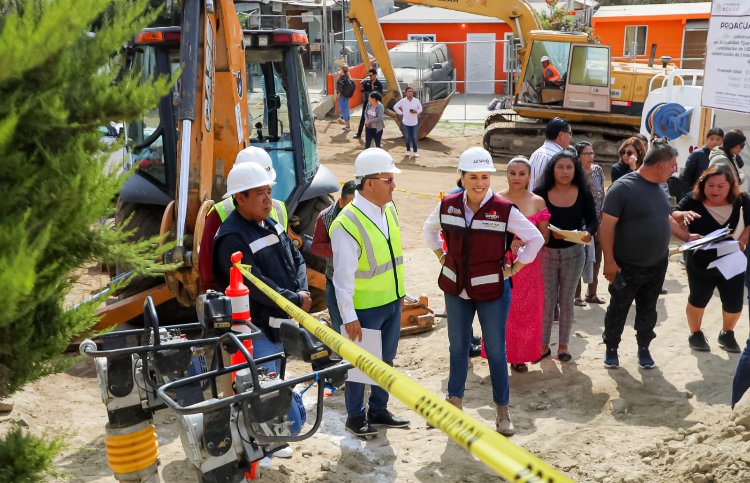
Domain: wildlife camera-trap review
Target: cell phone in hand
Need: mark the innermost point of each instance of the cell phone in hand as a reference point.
(619, 282)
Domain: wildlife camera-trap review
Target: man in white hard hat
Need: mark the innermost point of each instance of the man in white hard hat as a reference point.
(266, 247)
(368, 276)
(221, 211)
(550, 74)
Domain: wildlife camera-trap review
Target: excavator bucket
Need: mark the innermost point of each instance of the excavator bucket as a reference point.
(432, 112)
(416, 316)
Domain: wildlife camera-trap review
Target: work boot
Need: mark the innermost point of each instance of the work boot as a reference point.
(503, 424)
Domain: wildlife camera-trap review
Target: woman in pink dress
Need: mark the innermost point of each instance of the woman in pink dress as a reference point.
(524, 329)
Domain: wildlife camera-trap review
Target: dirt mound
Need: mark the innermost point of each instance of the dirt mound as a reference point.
(717, 450)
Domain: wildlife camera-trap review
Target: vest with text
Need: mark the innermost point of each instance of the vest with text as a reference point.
(476, 254)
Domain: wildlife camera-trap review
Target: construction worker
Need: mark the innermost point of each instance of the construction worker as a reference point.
(266, 247)
(550, 74)
(221, 211)
(368, 276)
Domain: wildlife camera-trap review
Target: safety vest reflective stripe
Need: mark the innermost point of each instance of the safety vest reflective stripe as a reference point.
(279, 213)
(264, 242)
(379, 278)
(373, 268)
(449, 273)
(453, 220)
(224, 209)
(485, 279)
(488, 225)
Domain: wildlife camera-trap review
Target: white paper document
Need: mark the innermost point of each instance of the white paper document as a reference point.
(573, 236)
(730, 265)
(722, 248)
(372, 343)
(711, 237)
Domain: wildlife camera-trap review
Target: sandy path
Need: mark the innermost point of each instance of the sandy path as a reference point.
(593, 423)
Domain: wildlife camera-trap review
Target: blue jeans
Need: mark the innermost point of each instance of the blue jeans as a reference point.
(333, 307)
(493, 316)
(387, 319)
(263, 346)
(344, 107)
(410, 136)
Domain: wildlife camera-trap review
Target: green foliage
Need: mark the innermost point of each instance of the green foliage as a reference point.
(57, 86)
(563, 20)
(24, 458)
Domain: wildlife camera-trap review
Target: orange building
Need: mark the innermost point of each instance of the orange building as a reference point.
(678, 30)
(483, 56)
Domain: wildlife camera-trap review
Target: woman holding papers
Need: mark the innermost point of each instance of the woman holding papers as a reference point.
(715, 203)
(572, 207)
(478, 226)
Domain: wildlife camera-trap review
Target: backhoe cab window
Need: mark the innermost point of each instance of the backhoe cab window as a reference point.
(272, 78)
(146, 134)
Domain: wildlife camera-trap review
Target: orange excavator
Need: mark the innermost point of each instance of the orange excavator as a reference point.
(603, 99)
(236, 88)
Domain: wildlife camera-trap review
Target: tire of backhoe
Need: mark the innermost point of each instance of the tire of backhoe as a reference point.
(146, 221)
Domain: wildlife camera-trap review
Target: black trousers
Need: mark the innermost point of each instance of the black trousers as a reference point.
(643, 285)
(362, 117)
(372, 134)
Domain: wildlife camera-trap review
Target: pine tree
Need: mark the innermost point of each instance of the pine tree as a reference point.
(58, 85)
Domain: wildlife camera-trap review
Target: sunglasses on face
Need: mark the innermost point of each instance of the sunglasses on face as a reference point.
(387, 181)
(629, 153)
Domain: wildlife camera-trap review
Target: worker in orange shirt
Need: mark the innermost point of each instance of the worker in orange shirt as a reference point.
(550, 74)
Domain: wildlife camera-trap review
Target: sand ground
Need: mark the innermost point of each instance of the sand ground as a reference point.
(625, 425)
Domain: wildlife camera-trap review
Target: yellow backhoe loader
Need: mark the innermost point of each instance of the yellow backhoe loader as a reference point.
(603, 99)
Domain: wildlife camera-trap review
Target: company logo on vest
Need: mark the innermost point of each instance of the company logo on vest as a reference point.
(452, 210)
(492, 215)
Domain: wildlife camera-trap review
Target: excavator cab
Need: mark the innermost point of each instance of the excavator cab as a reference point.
(580, 73)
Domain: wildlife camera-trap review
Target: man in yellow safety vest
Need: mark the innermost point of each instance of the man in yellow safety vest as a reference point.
(221, 211)
(368, 276)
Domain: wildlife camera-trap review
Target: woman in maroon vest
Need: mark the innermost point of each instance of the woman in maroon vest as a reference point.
(476, 224)
(571, 206)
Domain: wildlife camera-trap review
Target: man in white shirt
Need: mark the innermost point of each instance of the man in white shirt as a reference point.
(409, 108)
(558, 135)
(368, 277)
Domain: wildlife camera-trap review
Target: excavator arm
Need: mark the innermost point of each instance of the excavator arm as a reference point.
(518, 14)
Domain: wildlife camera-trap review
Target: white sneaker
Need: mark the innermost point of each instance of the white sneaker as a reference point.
(286, 452)
(408, 152)
(415, 155)
(266, 463)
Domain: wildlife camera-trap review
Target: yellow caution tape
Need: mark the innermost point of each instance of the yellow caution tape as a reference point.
(510, 461)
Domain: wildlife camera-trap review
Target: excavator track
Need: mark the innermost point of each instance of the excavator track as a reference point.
(508, 136)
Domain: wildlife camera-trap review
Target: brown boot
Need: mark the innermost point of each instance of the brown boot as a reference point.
(503, 424)
(456, 401)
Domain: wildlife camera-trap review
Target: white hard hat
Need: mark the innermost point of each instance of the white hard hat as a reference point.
(254, 154)
(373, 161)
(476, 160)
(544, 59)
(246, 176)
